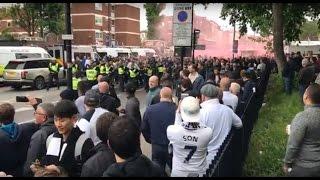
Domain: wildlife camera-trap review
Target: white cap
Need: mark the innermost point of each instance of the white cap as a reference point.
(190, 109)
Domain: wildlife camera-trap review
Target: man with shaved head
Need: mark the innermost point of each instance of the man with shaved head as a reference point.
(156, 119)
(154, 89)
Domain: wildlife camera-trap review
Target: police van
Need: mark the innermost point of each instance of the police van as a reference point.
(8, 53)
(145, 52)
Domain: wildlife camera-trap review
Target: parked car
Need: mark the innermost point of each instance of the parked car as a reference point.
(29, 72)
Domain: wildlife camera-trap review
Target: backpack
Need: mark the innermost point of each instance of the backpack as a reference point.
(78, 147)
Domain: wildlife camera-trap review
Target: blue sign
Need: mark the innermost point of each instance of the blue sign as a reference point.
(182, 16)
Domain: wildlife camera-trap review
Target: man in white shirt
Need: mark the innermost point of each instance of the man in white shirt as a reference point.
(220, 118)
(189, 141)
(228, 98)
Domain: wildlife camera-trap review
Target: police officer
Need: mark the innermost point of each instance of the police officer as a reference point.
(149, 72)
(75, 80)
(160, 69)
(54, 67)
(109, 71)
(75, 68)
(102, 68)
(133, 75)
(121, 76)
(92, 74)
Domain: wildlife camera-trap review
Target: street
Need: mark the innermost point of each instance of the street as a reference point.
(24, 111)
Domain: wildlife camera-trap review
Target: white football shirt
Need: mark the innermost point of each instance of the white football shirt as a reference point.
(189, 149)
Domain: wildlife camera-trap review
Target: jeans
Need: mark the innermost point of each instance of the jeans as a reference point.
(287, 85)
(160, 155)
(302, 89)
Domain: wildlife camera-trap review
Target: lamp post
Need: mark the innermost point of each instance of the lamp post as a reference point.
(68, 45)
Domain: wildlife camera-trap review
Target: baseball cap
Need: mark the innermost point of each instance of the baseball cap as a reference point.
(92, 98)
(190, 109)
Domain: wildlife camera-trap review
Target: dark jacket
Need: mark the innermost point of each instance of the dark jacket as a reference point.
(156, 119)
(88, 115)
(306, 75)
(197, 84)
(137, 166)
(13, 150)
(288, 69)
(109, 103)
(133, 110)
(99, 162)
(248, 90)
(68, 161)
(37, 148)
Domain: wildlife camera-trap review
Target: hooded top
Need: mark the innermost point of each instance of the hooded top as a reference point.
(14, 143)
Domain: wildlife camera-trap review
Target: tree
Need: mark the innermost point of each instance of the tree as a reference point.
(152, 12)
(281, 20)
(310, 30)
(6, 35)
(39, 17)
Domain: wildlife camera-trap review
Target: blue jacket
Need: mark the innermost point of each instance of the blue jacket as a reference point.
(156, 119)
(14, 143)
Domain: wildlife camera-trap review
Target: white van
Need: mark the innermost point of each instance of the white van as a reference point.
(146, 52)
(8, 53)
(114, 52)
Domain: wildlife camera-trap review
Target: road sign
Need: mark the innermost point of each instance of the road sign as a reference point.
(235, 46)
(200, 47)
(182, 24)
(67, 36)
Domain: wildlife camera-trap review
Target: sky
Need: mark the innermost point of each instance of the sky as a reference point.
(212, 13)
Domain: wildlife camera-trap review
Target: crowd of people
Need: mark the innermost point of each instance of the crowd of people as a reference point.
(302, 151)
(189, 113)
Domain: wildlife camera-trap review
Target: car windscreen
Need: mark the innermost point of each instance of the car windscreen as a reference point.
(15, 65)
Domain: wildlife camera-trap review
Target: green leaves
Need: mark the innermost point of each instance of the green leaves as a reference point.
(152, 12)
(39, 17)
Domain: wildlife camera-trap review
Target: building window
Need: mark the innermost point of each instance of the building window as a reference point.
(112, 36)
(9, 24)
(98, 6)
(112, 22)
(112, 8)
(98, 20)
(99, 35)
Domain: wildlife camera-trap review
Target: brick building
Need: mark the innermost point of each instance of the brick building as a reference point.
(105, 24)
(93, 24)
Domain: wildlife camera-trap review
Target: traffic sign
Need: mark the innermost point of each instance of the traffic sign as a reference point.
(200, 47)
(67, 36)
(182, 24)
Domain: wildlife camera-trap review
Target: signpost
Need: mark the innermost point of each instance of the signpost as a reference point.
(182, 26)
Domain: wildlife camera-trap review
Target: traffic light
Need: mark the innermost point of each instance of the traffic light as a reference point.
(196, 34)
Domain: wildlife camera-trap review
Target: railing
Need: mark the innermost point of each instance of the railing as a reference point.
(233, 151)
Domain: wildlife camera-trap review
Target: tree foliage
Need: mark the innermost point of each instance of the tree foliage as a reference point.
(310, 30)
(39, 17)
(260, 17)
(152, 12)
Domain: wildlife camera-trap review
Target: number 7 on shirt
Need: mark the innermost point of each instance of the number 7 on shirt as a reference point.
(193, 149)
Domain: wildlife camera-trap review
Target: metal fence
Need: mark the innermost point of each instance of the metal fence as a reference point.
(231, 155)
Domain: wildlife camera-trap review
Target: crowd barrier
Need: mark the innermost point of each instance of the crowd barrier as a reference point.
(232, 153)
